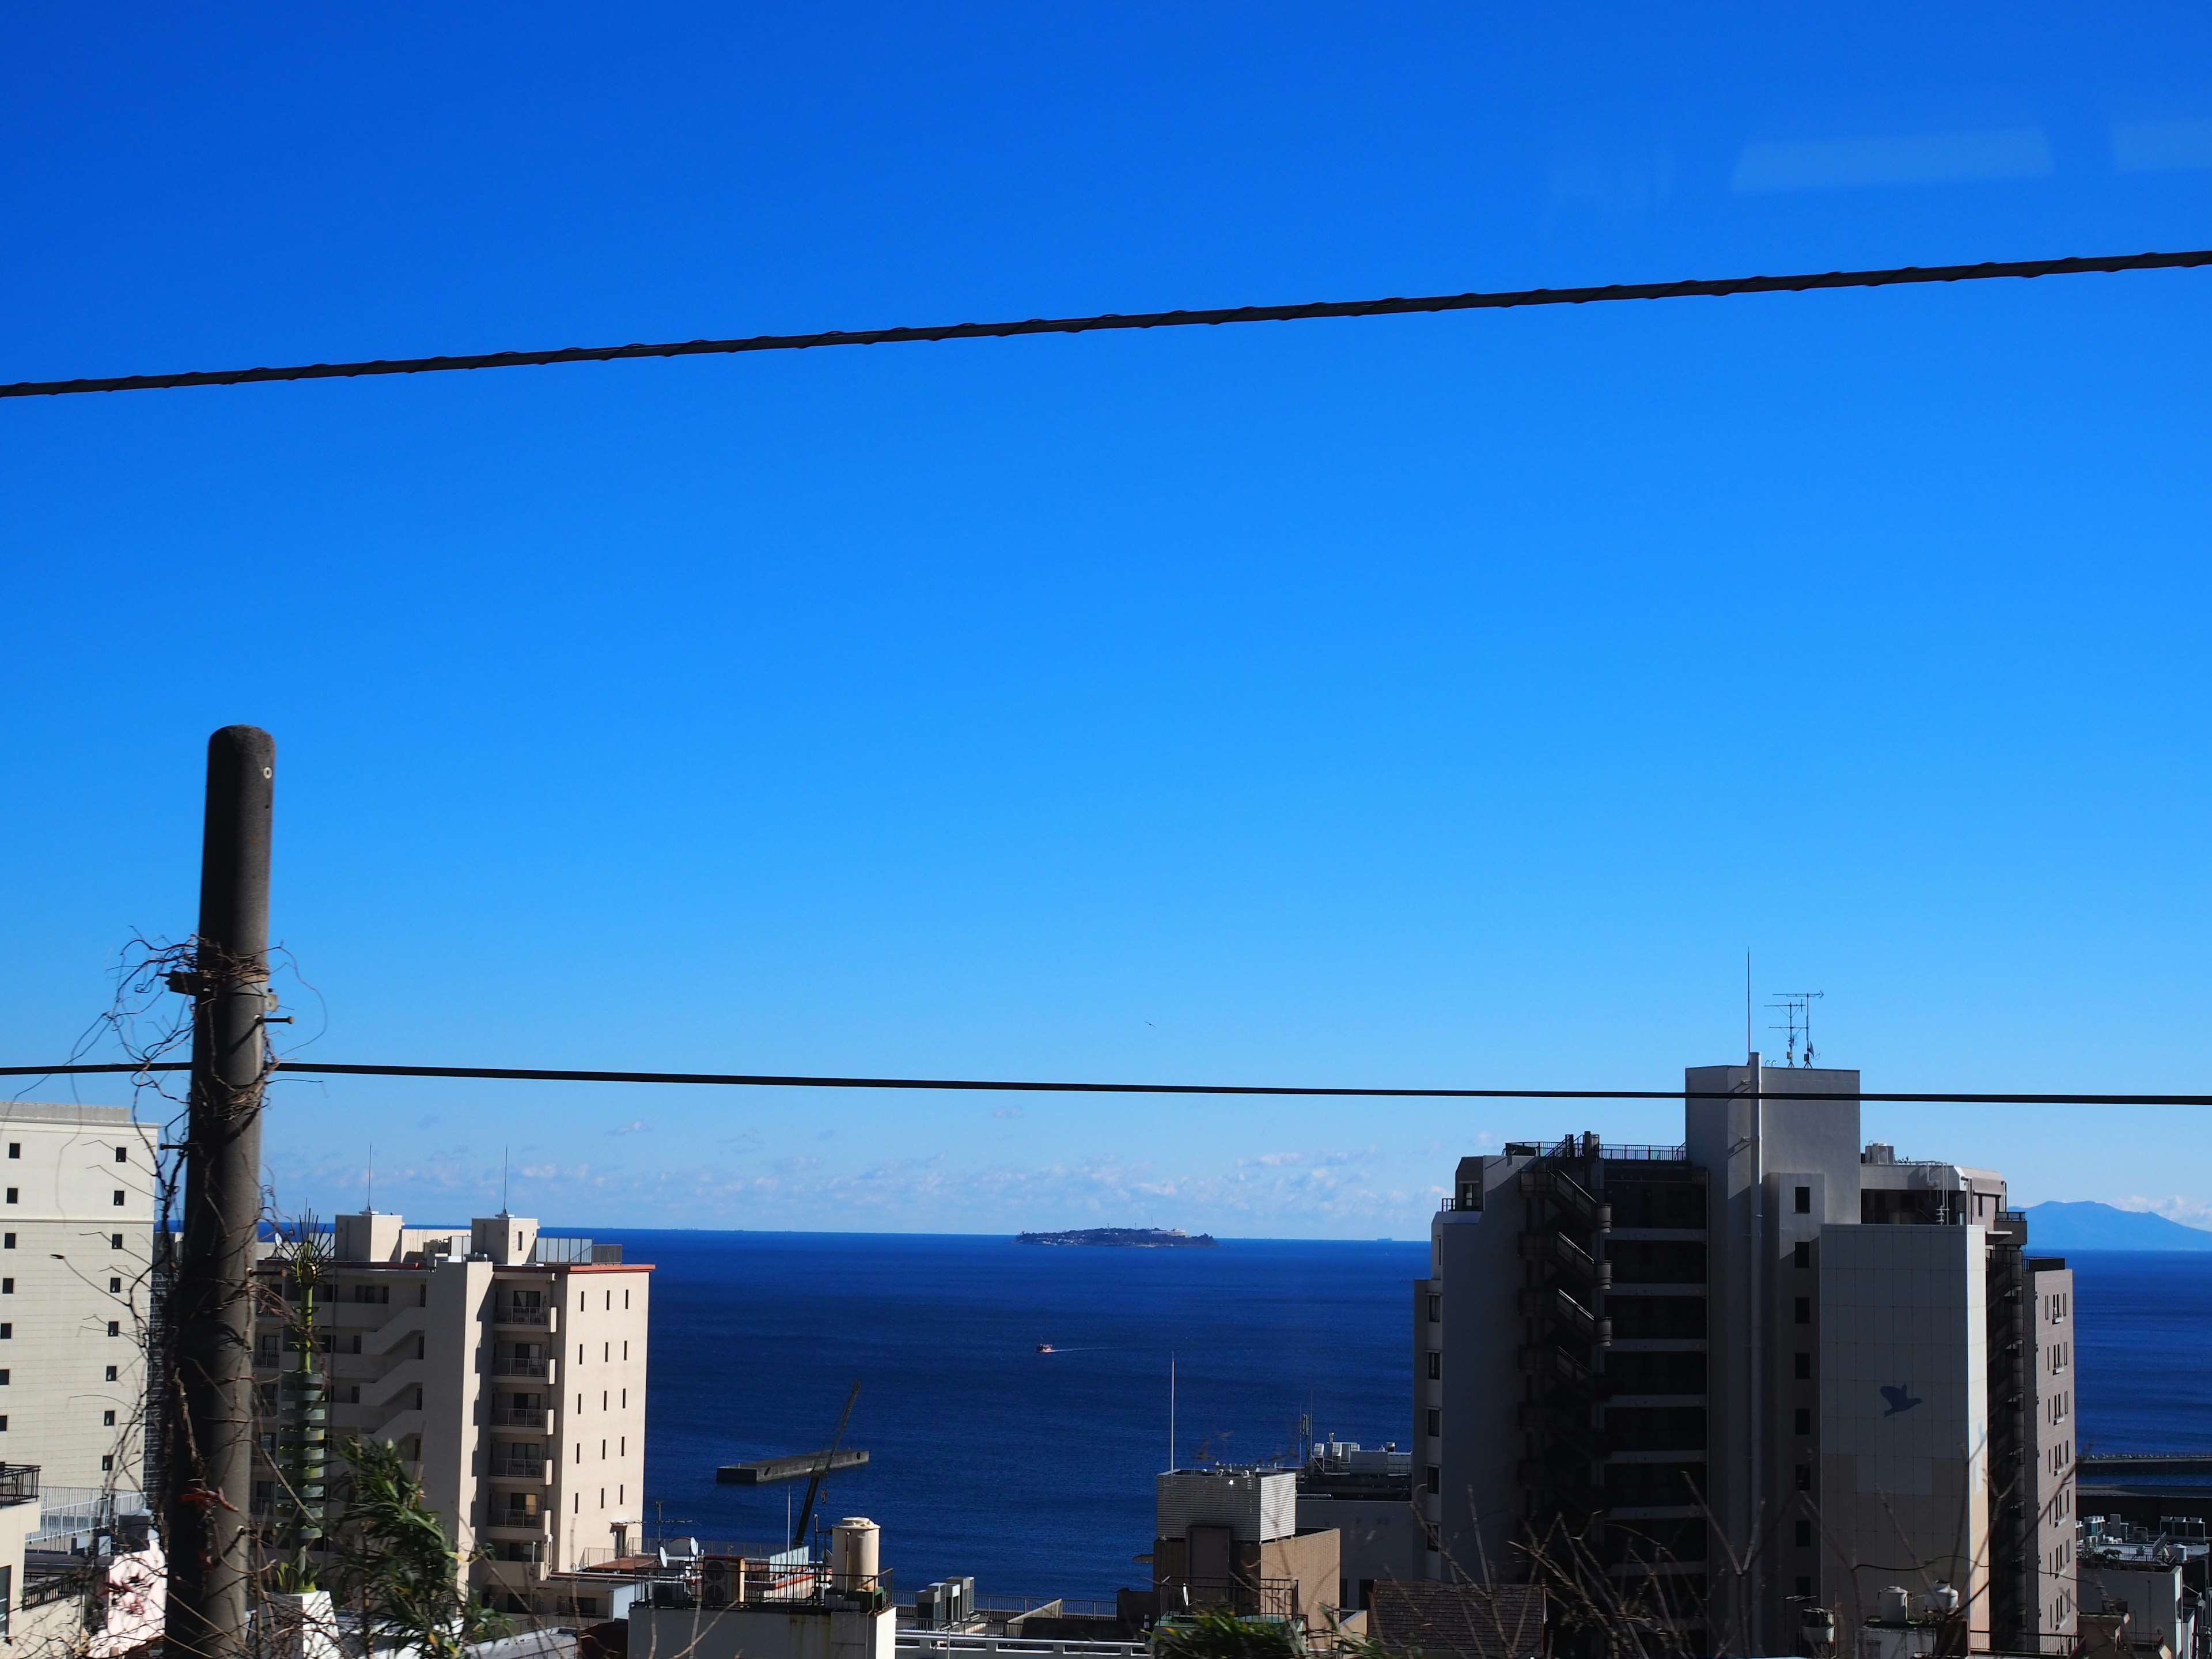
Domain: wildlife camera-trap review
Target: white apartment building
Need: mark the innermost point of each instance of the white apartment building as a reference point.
(511, 1367)
(77, 1187)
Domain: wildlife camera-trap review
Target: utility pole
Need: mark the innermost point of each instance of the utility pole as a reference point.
(210, 1415)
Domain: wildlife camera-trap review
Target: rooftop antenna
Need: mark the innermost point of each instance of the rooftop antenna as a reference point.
(1748, 1038)
(502, 1181)
(1797, 1010)
(372, 1177)
(1171, 1420)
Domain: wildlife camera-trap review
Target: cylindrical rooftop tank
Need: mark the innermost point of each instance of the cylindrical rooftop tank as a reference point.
(1896, 1605)
(853, 1552)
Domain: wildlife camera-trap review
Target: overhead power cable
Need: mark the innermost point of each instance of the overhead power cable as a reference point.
(1003, 1085)
(1715, 288)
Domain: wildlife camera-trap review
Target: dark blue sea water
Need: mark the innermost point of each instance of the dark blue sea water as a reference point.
(2143, 1351)
(1035, 1472)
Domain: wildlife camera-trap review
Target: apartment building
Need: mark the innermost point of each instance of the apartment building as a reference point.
(510, 1367)
(78, 1189)
(1745, 1376)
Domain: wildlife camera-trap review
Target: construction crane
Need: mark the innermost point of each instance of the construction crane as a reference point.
(822, 1471)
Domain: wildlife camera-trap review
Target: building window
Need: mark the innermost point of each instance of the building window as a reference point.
(122, 1154)
(108, 1419)
(1804, 1477)
(107, 1463)
(1804, 1588)
(3, 1376)
(1804, 1314)
(114, 1286)
(1435, 1309)
(1435, 1422)
(1804, 1535)
(1804, 1205)
(1804, 1420)
(1436, 1478)
(1802, 1256)
(6, 1331)
(625, 1299)
(115, 1327)
(115, 1241)
(11, 1195)
(7, 1287)
(6, 1240)
(1435, 1366)
(119, 1198)
(1804, 1368)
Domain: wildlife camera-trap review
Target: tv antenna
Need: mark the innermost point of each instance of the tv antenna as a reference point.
(1797, 1011)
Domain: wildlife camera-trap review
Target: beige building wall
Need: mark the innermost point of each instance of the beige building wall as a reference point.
(77, 1189)
(1904, 1490)
(515, 1385)
(2047, 1482)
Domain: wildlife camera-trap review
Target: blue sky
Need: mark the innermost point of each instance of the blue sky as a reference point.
(1445, 700)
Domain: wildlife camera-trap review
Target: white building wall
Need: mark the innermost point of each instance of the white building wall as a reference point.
(764, 1631)
(77, 1187)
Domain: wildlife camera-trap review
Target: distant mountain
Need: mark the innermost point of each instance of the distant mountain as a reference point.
(2059, 1228)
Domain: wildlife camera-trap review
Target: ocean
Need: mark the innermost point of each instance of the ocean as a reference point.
(1034, 1472)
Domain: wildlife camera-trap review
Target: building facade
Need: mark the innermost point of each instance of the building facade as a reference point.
(510, 1367)
(1735, 1381)
(1230, 1538)
(77, 1192)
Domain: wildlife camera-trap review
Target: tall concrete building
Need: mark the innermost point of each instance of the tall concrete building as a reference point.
(510, 1367)
(77, 1233)
(1762, 1372)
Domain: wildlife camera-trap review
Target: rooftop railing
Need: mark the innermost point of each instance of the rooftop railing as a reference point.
(714, 1583)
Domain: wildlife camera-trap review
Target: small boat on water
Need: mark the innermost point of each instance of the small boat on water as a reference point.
(1045, 1348)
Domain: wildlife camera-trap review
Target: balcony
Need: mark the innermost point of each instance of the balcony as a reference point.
(536, 1368)
(522, 1417)
(525, 1526)
(532, 1314)
(19, 1483)
(519, 1469)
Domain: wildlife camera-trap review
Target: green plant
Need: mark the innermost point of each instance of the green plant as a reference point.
(396, 1564)
(1217, 1633)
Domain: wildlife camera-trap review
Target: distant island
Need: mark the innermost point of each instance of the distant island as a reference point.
(2060, 1227)
(1128, 1238)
